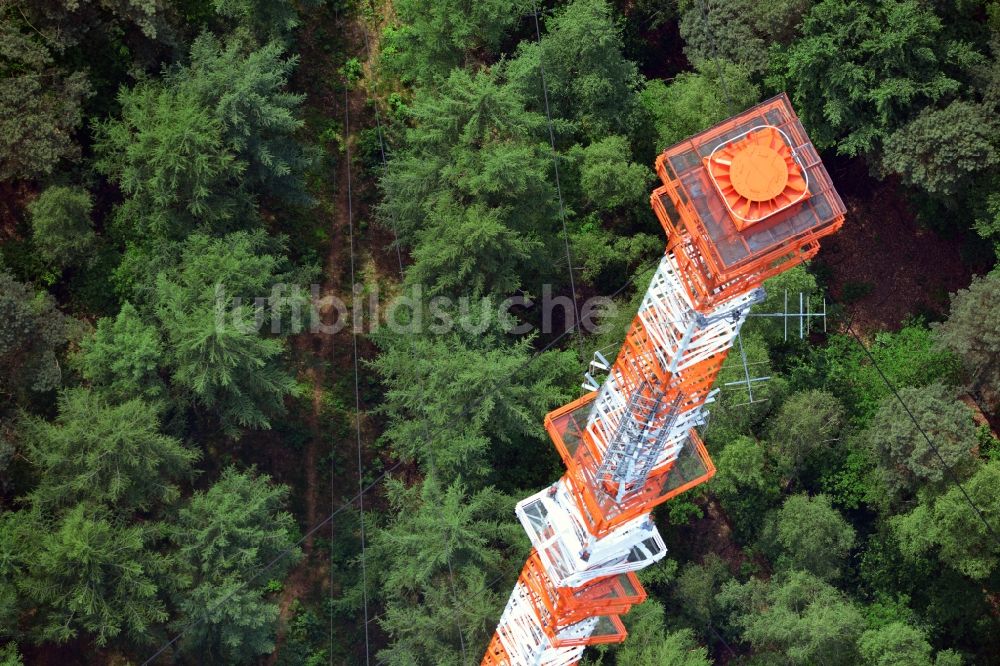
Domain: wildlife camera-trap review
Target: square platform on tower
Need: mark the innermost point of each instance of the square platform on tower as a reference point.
(600, 508)
(747, 191)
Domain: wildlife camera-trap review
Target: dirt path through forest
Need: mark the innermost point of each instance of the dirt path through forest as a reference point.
(325, 357)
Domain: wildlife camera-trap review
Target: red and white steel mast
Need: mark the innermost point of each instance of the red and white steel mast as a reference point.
(740, 202)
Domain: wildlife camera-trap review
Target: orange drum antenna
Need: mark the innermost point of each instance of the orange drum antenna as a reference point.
(757, 175)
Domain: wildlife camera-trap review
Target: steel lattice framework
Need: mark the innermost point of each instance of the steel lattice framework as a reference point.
(740, 202)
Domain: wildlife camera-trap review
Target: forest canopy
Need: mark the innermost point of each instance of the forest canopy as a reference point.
(222, 442)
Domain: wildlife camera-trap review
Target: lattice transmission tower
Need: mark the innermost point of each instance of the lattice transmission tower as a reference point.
(740, 202)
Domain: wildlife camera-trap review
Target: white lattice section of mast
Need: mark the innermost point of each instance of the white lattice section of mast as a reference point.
(682, 338)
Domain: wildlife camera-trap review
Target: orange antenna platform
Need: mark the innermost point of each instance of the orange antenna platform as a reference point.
(740, 202)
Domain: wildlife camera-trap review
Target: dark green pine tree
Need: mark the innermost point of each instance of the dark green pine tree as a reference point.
(192, 149)
(219, 347)
(589, 81)
(470, 191)
(434, 38)
(907, 464)
(224, 537)
(453, 398)
(105, 454)
(438, 557)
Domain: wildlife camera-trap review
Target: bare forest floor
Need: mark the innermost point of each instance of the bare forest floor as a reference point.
(883, 265)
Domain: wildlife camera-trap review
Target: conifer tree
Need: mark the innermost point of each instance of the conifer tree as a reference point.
(589, 81)
(470, 190)
(452, 397)
(92, 573)
(191, 150)
(224, 538)
(440, 552)
(111, 455)
(219, 350)
(907, 463)
(121, 359)
(434, 38)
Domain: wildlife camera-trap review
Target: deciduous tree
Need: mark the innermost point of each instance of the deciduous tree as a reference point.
(950, 525)
(34, 330)
(739, 410)
(941, 149)
(896, 644)
(694, 101)
(972, 331)
(696, 590)
(808, 534)
(908, 357)
(746, 484)
(796, 617)
(652, 645)
(609, 178)
(806, 425)
(907, 462)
